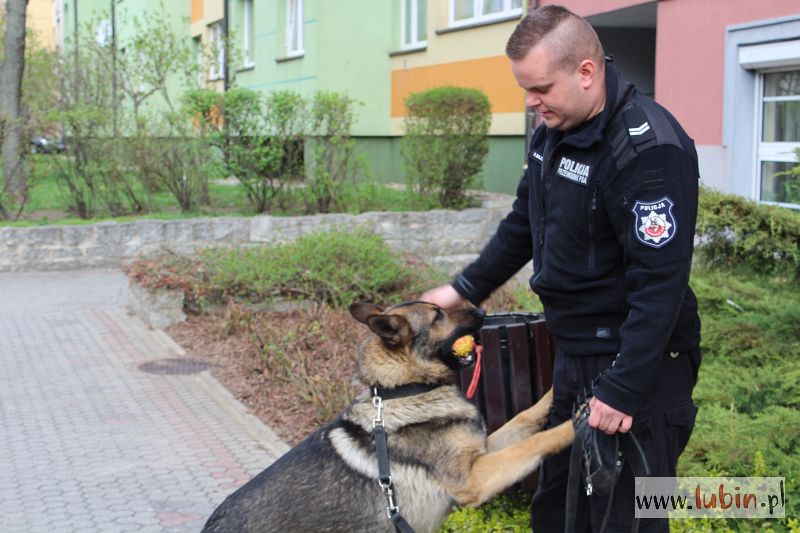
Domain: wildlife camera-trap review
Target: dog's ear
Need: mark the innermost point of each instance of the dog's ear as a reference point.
(394, 329)
(362, 311)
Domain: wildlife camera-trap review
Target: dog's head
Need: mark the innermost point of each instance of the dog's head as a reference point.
(413, 341)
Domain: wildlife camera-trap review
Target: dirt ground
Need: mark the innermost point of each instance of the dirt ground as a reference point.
(294, 370)
(321, 363)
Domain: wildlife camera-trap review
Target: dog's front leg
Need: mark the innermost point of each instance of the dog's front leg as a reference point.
(523, 425)
(496, 471)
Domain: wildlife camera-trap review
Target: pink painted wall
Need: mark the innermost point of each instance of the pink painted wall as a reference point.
(586, 8)
(690, 52)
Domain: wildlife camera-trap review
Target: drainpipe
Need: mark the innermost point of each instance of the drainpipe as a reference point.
(75, 29)
(114, 63)
(225, 15)
(225, 84)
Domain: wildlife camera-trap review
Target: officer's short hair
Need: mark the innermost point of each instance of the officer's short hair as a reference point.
(571, 37)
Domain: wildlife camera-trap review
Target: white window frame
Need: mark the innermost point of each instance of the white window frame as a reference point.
(216, 68)
(294, 26)
(480, 17)
(779, 152)
(414, 43)
(104, 33)
(247, 33)
(197, 42)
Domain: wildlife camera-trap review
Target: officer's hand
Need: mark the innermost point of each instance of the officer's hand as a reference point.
(445, 297)
(607, 419)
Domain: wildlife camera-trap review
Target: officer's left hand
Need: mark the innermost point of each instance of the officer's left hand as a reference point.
(607, 419)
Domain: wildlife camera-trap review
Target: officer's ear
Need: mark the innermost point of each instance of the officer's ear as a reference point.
(587, 73)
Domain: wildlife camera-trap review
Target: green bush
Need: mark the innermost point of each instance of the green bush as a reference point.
(446, 142)
(333, 148)
(337, 268)
(505, 513)
(737, 232)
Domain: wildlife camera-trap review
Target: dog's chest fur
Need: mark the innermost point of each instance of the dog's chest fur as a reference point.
(428, 434)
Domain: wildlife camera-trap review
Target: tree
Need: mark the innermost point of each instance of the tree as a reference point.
(11, 70)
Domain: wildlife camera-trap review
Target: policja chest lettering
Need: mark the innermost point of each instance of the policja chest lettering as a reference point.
(574, 171)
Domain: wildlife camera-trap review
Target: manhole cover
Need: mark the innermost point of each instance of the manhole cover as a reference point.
(172, 367)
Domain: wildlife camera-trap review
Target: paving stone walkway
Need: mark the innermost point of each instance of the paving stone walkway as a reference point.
(105, 426)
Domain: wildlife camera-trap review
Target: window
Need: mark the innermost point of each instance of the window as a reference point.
(104, 33)
(294, 28)
(779, 137)
(413, 24)
(216, 68)
(247, 32)
(463, 12)
(197, 47)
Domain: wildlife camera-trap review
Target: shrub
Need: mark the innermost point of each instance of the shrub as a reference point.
(174, 160)
(333, 161)
(336, 268)
(738, 232)
(446, 142)
(505, 513)
(286, 122)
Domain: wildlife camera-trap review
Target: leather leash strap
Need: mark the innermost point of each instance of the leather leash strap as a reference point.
(382, 447)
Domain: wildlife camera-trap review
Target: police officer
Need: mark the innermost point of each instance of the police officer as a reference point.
(607, 211)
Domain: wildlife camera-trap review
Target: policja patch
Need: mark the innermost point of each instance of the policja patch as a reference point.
(655, 226)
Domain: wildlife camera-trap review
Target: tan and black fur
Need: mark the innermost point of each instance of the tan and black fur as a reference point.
(438, 449)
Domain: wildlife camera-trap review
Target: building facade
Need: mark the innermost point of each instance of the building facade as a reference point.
(729, 70)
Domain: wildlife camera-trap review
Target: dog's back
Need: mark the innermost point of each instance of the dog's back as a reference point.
(309, 488)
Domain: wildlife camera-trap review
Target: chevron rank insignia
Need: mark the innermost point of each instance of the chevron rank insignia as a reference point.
(655, 225)
(639, 130)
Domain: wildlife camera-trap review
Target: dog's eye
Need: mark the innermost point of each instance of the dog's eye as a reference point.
(439, 316)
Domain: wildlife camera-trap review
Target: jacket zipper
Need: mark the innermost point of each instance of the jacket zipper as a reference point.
(544, 185)
(592, 216)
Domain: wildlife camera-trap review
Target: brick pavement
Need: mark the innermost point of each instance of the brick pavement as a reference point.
(92, 442)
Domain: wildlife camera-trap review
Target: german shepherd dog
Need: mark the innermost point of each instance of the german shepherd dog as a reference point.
(438, 450)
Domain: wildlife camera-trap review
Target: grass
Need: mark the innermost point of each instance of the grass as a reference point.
(48, 200)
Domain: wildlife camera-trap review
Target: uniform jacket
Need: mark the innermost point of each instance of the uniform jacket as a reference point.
(607, 212)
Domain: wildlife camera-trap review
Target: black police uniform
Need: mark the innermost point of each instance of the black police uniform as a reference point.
(607, 212)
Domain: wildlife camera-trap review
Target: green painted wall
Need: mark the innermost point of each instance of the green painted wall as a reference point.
(501, 171)
(354, 58)
(271, 71)
(503, 168)
(343, 52)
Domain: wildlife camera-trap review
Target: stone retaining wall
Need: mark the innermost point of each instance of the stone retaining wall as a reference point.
(449, 239)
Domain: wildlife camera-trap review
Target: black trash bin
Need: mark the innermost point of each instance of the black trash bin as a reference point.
(517, 368)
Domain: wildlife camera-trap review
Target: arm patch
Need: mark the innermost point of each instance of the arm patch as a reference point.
(655, 224)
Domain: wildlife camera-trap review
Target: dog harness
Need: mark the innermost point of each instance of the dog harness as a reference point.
(382, 446)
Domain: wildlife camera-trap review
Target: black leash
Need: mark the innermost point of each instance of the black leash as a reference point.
(382, 447)
(599, 458)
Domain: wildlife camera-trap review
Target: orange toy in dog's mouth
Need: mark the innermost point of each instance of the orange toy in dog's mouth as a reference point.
(463, 346)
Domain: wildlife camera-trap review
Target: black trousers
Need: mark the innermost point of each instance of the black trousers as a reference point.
(662, 425)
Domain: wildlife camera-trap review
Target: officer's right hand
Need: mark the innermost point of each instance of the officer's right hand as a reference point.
(444, 296)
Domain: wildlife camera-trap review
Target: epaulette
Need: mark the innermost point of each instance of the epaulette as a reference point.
(633, 130)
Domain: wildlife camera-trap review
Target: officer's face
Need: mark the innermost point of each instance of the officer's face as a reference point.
(561, 97)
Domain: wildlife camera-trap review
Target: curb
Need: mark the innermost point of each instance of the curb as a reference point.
(261, 433)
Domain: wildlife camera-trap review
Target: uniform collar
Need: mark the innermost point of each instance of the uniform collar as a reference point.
(591, 132)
